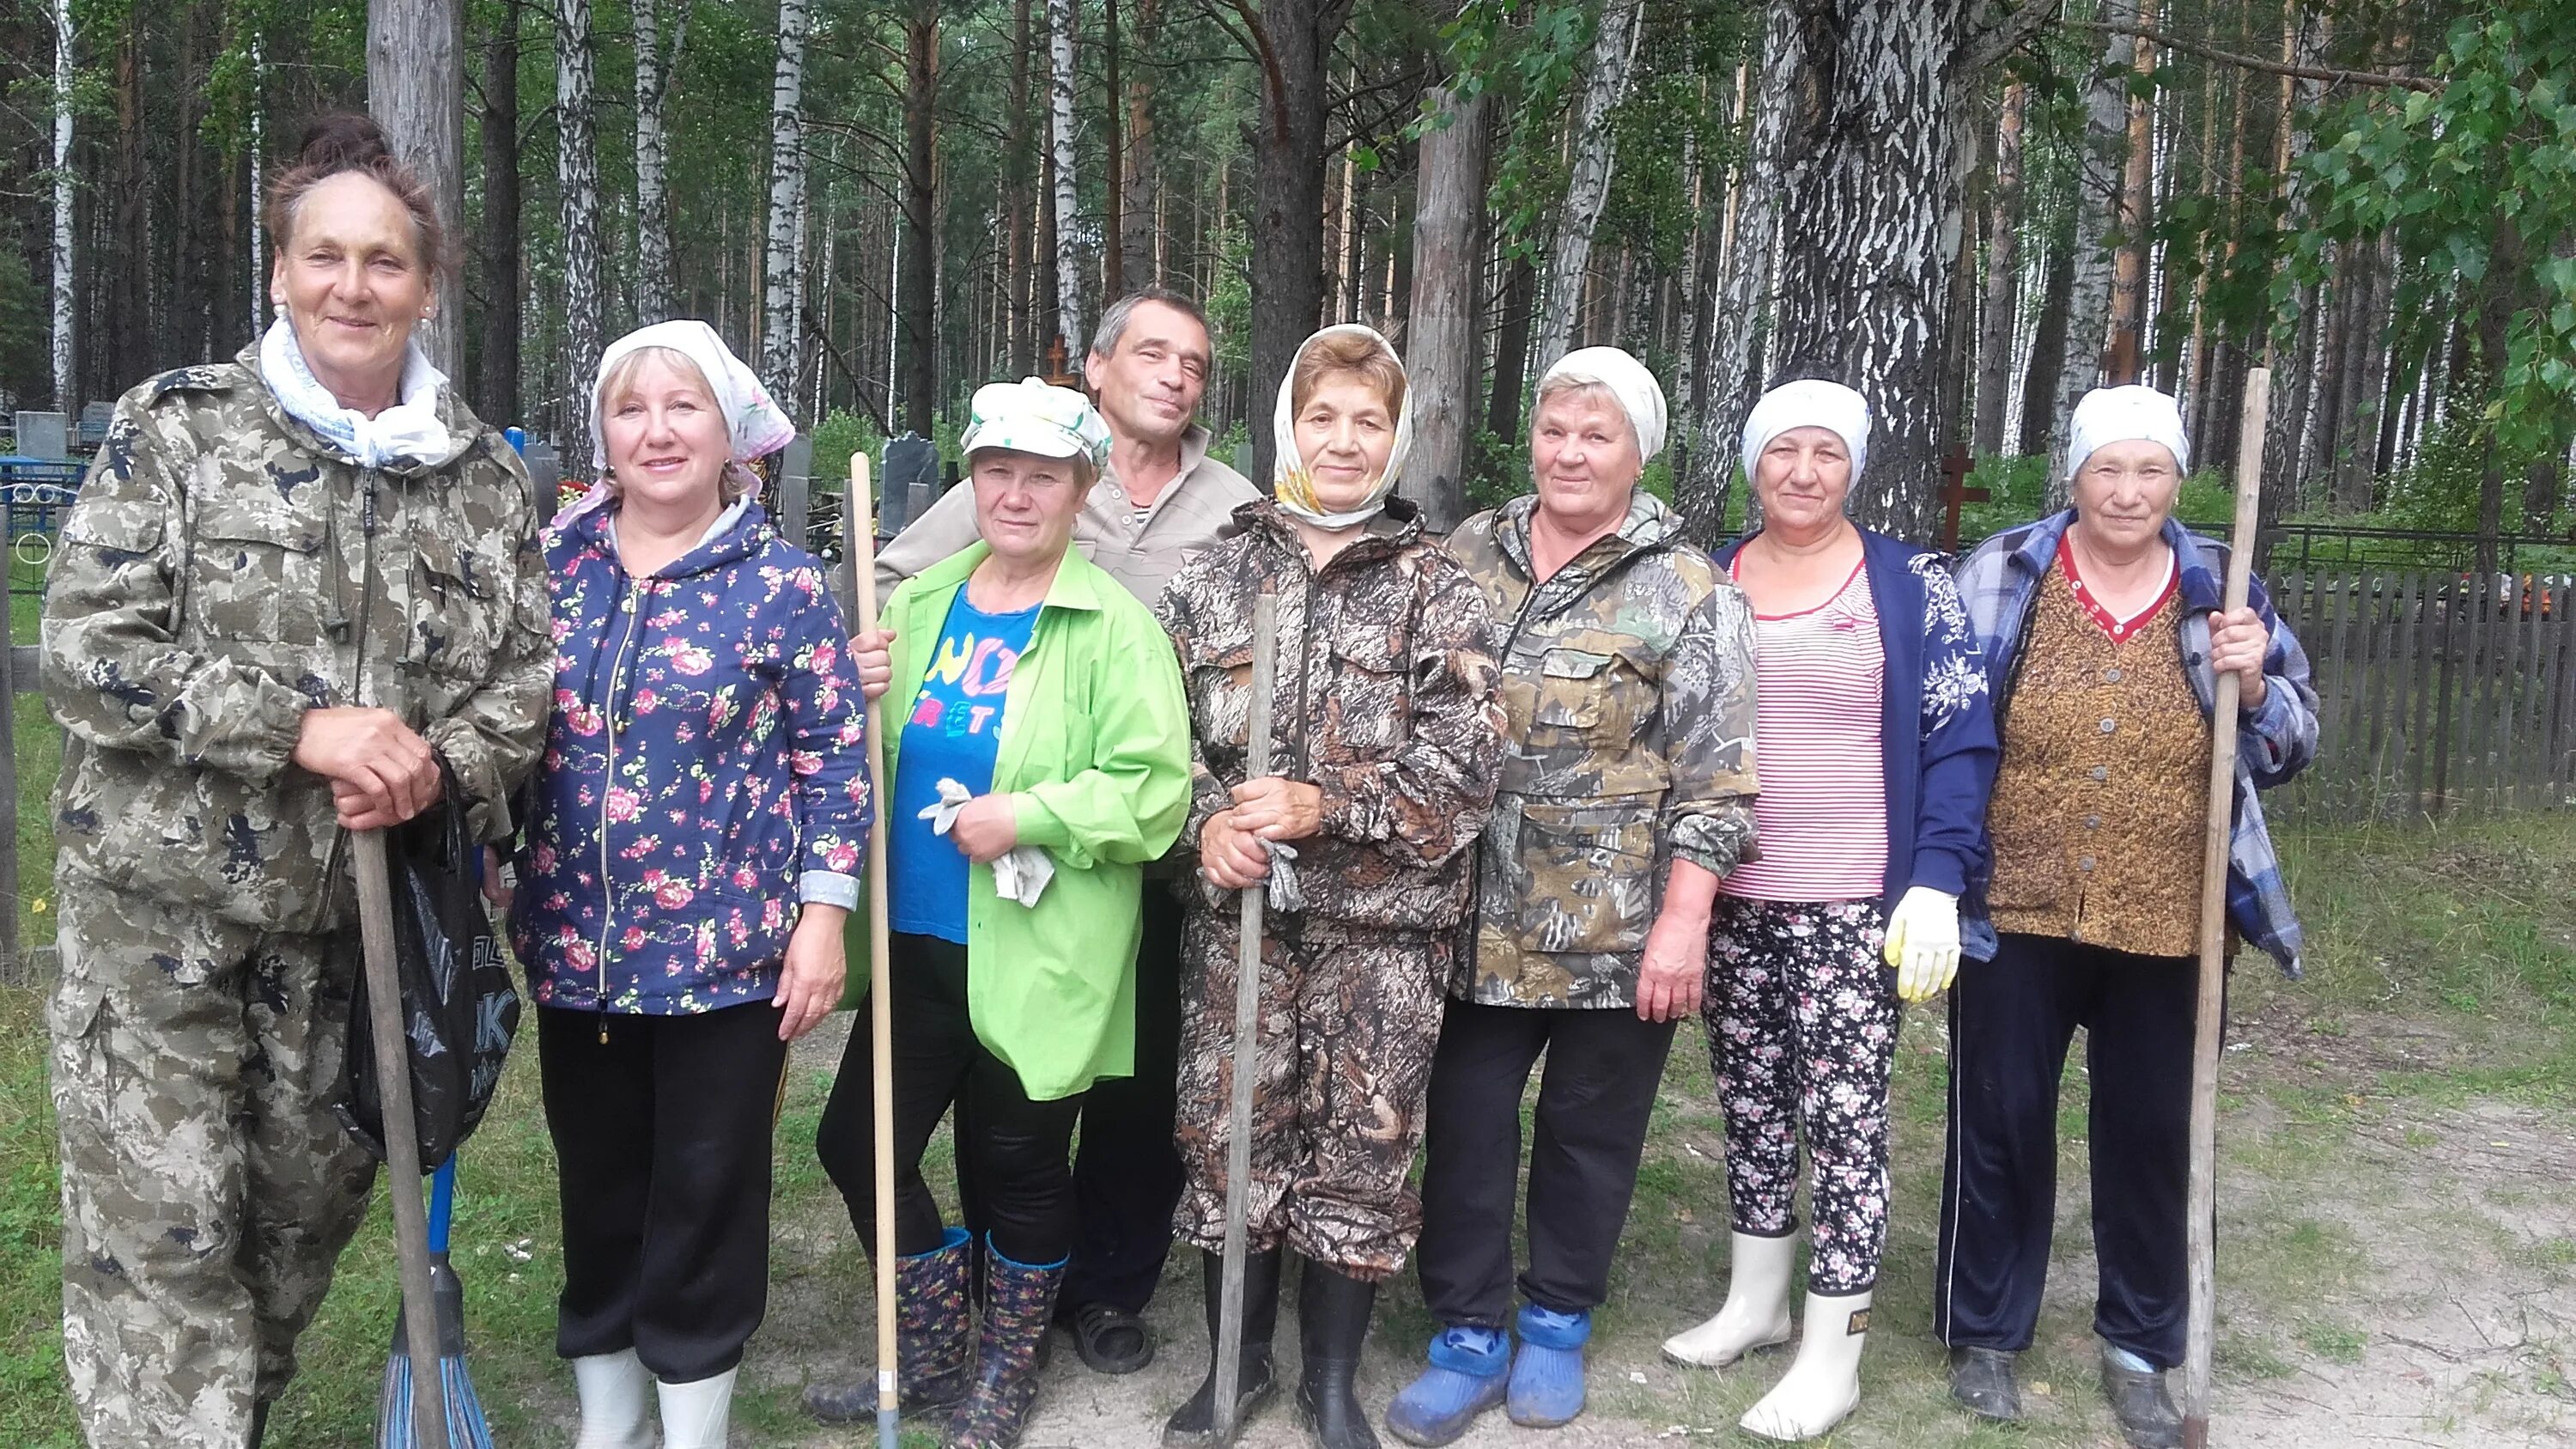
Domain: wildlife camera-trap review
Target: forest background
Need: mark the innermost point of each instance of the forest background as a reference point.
(1970, 209)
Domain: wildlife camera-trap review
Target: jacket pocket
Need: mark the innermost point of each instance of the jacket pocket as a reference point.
(248, 566)
(1587, 877)
(1371, 706)
(458, 611)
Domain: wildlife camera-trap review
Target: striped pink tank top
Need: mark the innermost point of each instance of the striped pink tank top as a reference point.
(1821, 819)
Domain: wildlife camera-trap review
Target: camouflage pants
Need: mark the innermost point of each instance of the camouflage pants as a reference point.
(1348, 1024)
(207, 1187)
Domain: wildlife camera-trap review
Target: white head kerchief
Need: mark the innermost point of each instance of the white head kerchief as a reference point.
(410, 429)
(1291, 484)
(756, 424)
(2125, 414)
(1809, 402)
(1639, 395)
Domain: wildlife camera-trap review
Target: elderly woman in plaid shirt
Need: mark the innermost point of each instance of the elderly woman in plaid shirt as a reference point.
(2103, 640)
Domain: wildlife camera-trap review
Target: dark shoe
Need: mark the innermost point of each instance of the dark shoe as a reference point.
(1111, 1339)
(934, 1340)
(1022, 1299)
(1193, 1424)
(258, 1423)
(1982, 1380)
(2146, 1412)
(1333, 1319)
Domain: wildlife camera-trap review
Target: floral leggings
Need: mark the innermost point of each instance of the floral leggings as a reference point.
(1802, 1017)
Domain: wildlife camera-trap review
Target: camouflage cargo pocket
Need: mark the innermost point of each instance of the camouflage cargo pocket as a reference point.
(1372, 699)
(1588, 878)
(458, 610)
(250, 564)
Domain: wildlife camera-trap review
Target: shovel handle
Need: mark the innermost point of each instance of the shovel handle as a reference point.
(402, 1140)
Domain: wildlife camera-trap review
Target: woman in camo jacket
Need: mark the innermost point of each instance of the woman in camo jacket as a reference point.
(1387, 742)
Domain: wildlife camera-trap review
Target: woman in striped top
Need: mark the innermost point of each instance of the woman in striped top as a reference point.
(1877, 750)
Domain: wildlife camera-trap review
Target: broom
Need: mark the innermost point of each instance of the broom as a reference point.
(394, 1408)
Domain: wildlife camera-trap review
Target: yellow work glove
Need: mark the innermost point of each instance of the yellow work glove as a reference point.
(1923, 942)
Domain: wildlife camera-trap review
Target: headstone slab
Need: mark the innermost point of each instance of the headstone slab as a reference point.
(44, 435)
(907, 482)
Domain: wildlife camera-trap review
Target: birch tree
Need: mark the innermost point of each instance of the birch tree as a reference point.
(782, 292)
(1587, 188)
(577, 178)
(2100, 181)
(656, 55)
(1068, 256)
(64, 192)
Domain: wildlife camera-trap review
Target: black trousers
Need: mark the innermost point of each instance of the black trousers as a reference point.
(2011, 1022)
(662, 1141)
(1603, 1067)
(1127, 1172)
(1019, 1151)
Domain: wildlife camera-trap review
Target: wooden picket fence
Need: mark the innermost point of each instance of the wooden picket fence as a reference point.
(2438, 693)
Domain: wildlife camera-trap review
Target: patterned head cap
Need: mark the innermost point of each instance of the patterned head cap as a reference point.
(1031, 416)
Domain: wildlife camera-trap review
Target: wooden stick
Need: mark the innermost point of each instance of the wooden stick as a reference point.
(860, 554)
(1247, 1044)
(402, 1138)
(2201, 1223)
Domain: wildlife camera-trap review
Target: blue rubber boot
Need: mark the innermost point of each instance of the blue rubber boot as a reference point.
(1464, 1380)
(1547, 1374)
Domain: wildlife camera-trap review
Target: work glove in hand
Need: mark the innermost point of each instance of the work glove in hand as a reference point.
(1923, 943)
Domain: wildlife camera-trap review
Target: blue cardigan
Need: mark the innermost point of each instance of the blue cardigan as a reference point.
(1936, 724)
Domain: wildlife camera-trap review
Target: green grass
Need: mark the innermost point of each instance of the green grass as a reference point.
(2442, 975)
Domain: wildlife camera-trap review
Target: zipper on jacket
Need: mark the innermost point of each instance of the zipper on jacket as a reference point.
(366, 608)
(607, 892)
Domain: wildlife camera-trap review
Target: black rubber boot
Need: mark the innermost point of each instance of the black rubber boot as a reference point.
(1982, 1380)
(1333, 1320)
(2148, 1418)
(258, 1422)
(1193, 1424)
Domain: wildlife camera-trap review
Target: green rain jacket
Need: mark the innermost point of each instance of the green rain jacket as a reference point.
(1096, 748)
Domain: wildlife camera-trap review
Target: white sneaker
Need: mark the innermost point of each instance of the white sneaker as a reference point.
(696, 1415)
(1823, 1386)
(613, 1394)
(1756, 1312)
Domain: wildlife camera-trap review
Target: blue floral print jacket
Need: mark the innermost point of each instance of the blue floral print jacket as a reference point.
(704, 771)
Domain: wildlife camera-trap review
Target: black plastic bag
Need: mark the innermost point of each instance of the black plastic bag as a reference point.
(460, 1008)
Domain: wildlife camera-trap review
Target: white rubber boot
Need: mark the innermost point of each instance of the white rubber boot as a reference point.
(1823, 1386)
(696, 1415)
(1756, 1312)
(615, 1394)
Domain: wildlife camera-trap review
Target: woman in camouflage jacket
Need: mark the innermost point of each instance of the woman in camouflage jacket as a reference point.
(1388, 737)
(1626, 793)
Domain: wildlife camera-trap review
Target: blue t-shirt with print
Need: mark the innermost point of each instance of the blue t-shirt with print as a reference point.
(952, 732)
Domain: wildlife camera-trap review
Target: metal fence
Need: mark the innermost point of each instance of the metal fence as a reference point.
(2438, 693)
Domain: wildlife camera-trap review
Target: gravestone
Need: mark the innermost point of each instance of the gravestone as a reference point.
(44, 435)
(93, 423)
(908, 483)
(795, 488)
(546, 470)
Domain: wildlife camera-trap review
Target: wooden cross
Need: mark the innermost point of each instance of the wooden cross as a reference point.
(1955, 492)
(1057, 373)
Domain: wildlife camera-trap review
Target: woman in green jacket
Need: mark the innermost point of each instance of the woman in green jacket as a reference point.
(1043, 757)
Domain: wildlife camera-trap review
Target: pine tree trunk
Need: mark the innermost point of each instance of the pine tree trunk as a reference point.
(2003, 277)
(2286, 431)
(1293, 38)
(1511, 354)
(187, 307)
(918, 284)
(1441, 353)
(2047, 361)
(782, 292)
(1140, 188)
(1019, 205)
(1865, 285)
(130, 299)
(2099, 185)
(1587, 186)
(1695, 452)
(416, 88)
(65, 190)
(577, 179)
(2124, 356)
(496, 397)
(1068, 256)
(1745, 298)
(656, 56)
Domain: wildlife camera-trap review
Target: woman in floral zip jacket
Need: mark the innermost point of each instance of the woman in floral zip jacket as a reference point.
(702, 808)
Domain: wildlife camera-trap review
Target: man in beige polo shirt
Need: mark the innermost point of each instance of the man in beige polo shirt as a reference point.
(1162, 499)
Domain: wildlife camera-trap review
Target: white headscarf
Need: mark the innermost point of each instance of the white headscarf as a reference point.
(755, 424)
(410, 429)
(1625, 378)
(1808, 403)
(2121, 415)
(1291, 484)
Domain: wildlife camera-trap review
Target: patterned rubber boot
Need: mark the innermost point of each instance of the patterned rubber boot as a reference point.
(1332, 1319)
(1464, 1380)
(1021, 1302)
(1193, 1424)
(1547, 1374)
(934, 1340)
